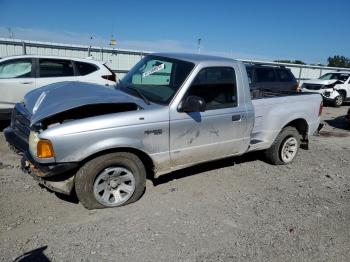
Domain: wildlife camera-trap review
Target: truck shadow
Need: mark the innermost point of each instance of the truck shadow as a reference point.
(36, 255)
(205, 167)
(4, 124)
(72, 198)
(329, 104)
(338, 122)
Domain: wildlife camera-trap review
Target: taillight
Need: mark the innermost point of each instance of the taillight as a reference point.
(112, 77)
(321, 109)
(296, 88)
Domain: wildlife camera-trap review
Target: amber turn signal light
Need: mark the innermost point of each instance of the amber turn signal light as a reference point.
(45, 149)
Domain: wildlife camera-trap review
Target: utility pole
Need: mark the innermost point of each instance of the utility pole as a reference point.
(199, 45)
(10, 32)
(89, 49)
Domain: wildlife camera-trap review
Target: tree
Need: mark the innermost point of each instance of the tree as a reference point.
(298, 62)
(339, 61)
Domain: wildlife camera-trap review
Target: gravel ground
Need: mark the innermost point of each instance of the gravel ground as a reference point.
(239, 209)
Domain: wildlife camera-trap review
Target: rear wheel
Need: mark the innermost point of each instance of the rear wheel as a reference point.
(110, 180)
(285, 147)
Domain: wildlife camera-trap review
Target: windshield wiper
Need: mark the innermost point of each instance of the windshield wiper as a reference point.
(139, 93)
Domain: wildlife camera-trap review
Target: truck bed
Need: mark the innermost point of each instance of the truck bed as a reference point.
(274, 110)
(265, 93)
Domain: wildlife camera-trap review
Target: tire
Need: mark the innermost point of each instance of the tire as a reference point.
(339, 100)
(276, 154)
(110, 180)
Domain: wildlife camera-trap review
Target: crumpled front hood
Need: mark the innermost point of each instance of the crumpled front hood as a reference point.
(59, 97)
(320, 81)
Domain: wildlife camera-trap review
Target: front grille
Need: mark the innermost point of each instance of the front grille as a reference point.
(20, 122)
(312, 86)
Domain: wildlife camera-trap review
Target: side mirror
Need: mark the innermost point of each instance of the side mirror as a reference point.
(192, 104)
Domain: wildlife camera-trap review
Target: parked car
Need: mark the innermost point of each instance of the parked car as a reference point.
(334, 87)
(270, 77)
(169, 112)
(348, 116)
(21, 74)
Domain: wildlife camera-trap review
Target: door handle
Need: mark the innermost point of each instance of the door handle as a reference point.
(236, 118)
(27, 83)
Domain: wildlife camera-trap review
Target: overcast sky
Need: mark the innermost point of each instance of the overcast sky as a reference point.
(266, 30)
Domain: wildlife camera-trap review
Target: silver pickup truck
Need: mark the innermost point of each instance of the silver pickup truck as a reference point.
(169, 112)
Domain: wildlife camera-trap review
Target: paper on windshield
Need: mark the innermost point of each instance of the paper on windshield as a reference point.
(153, 70)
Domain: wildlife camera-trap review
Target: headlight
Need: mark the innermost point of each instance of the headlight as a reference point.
(33, 141)
(41, 148)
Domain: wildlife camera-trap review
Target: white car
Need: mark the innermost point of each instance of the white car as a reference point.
(334, 87)
(21, 74)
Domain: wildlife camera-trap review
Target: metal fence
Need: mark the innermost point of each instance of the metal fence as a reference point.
(121, 60)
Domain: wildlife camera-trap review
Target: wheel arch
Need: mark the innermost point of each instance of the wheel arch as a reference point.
(343, 92)
(301, 125)
(144, 157)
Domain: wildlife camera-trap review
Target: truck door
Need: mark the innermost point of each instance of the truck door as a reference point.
(216, 132)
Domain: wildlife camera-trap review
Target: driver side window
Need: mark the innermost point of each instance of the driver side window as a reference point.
(217, 86)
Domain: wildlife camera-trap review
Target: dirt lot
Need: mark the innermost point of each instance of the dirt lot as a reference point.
(236, 209)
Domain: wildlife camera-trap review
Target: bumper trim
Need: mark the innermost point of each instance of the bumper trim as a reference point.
(58, 179)
(47, 170)
(328, 99)
(42, 170)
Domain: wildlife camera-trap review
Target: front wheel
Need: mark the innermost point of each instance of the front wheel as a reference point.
(110, 180)
(285, 147)
(338, 101)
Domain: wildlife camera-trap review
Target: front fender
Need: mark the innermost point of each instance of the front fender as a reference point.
(344, 88)
(106, 144)
(76, 149)
(160, 160)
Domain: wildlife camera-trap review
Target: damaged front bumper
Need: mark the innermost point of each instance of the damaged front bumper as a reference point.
(328, 94)
(58, 177)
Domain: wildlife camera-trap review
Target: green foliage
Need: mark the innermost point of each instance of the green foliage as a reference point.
(298, 62)
(339, 61)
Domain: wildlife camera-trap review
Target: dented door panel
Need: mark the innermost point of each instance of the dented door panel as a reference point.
(197, 137)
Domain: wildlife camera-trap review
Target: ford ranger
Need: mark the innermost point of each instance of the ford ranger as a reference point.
(169, 112)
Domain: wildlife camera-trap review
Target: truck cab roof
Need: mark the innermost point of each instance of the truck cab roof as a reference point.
(195, 58)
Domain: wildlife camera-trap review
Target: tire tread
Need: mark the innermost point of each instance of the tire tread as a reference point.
(272, 153)
(86, 176)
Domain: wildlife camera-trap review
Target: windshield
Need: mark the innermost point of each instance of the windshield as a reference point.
(156, 78)
(335, 76)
